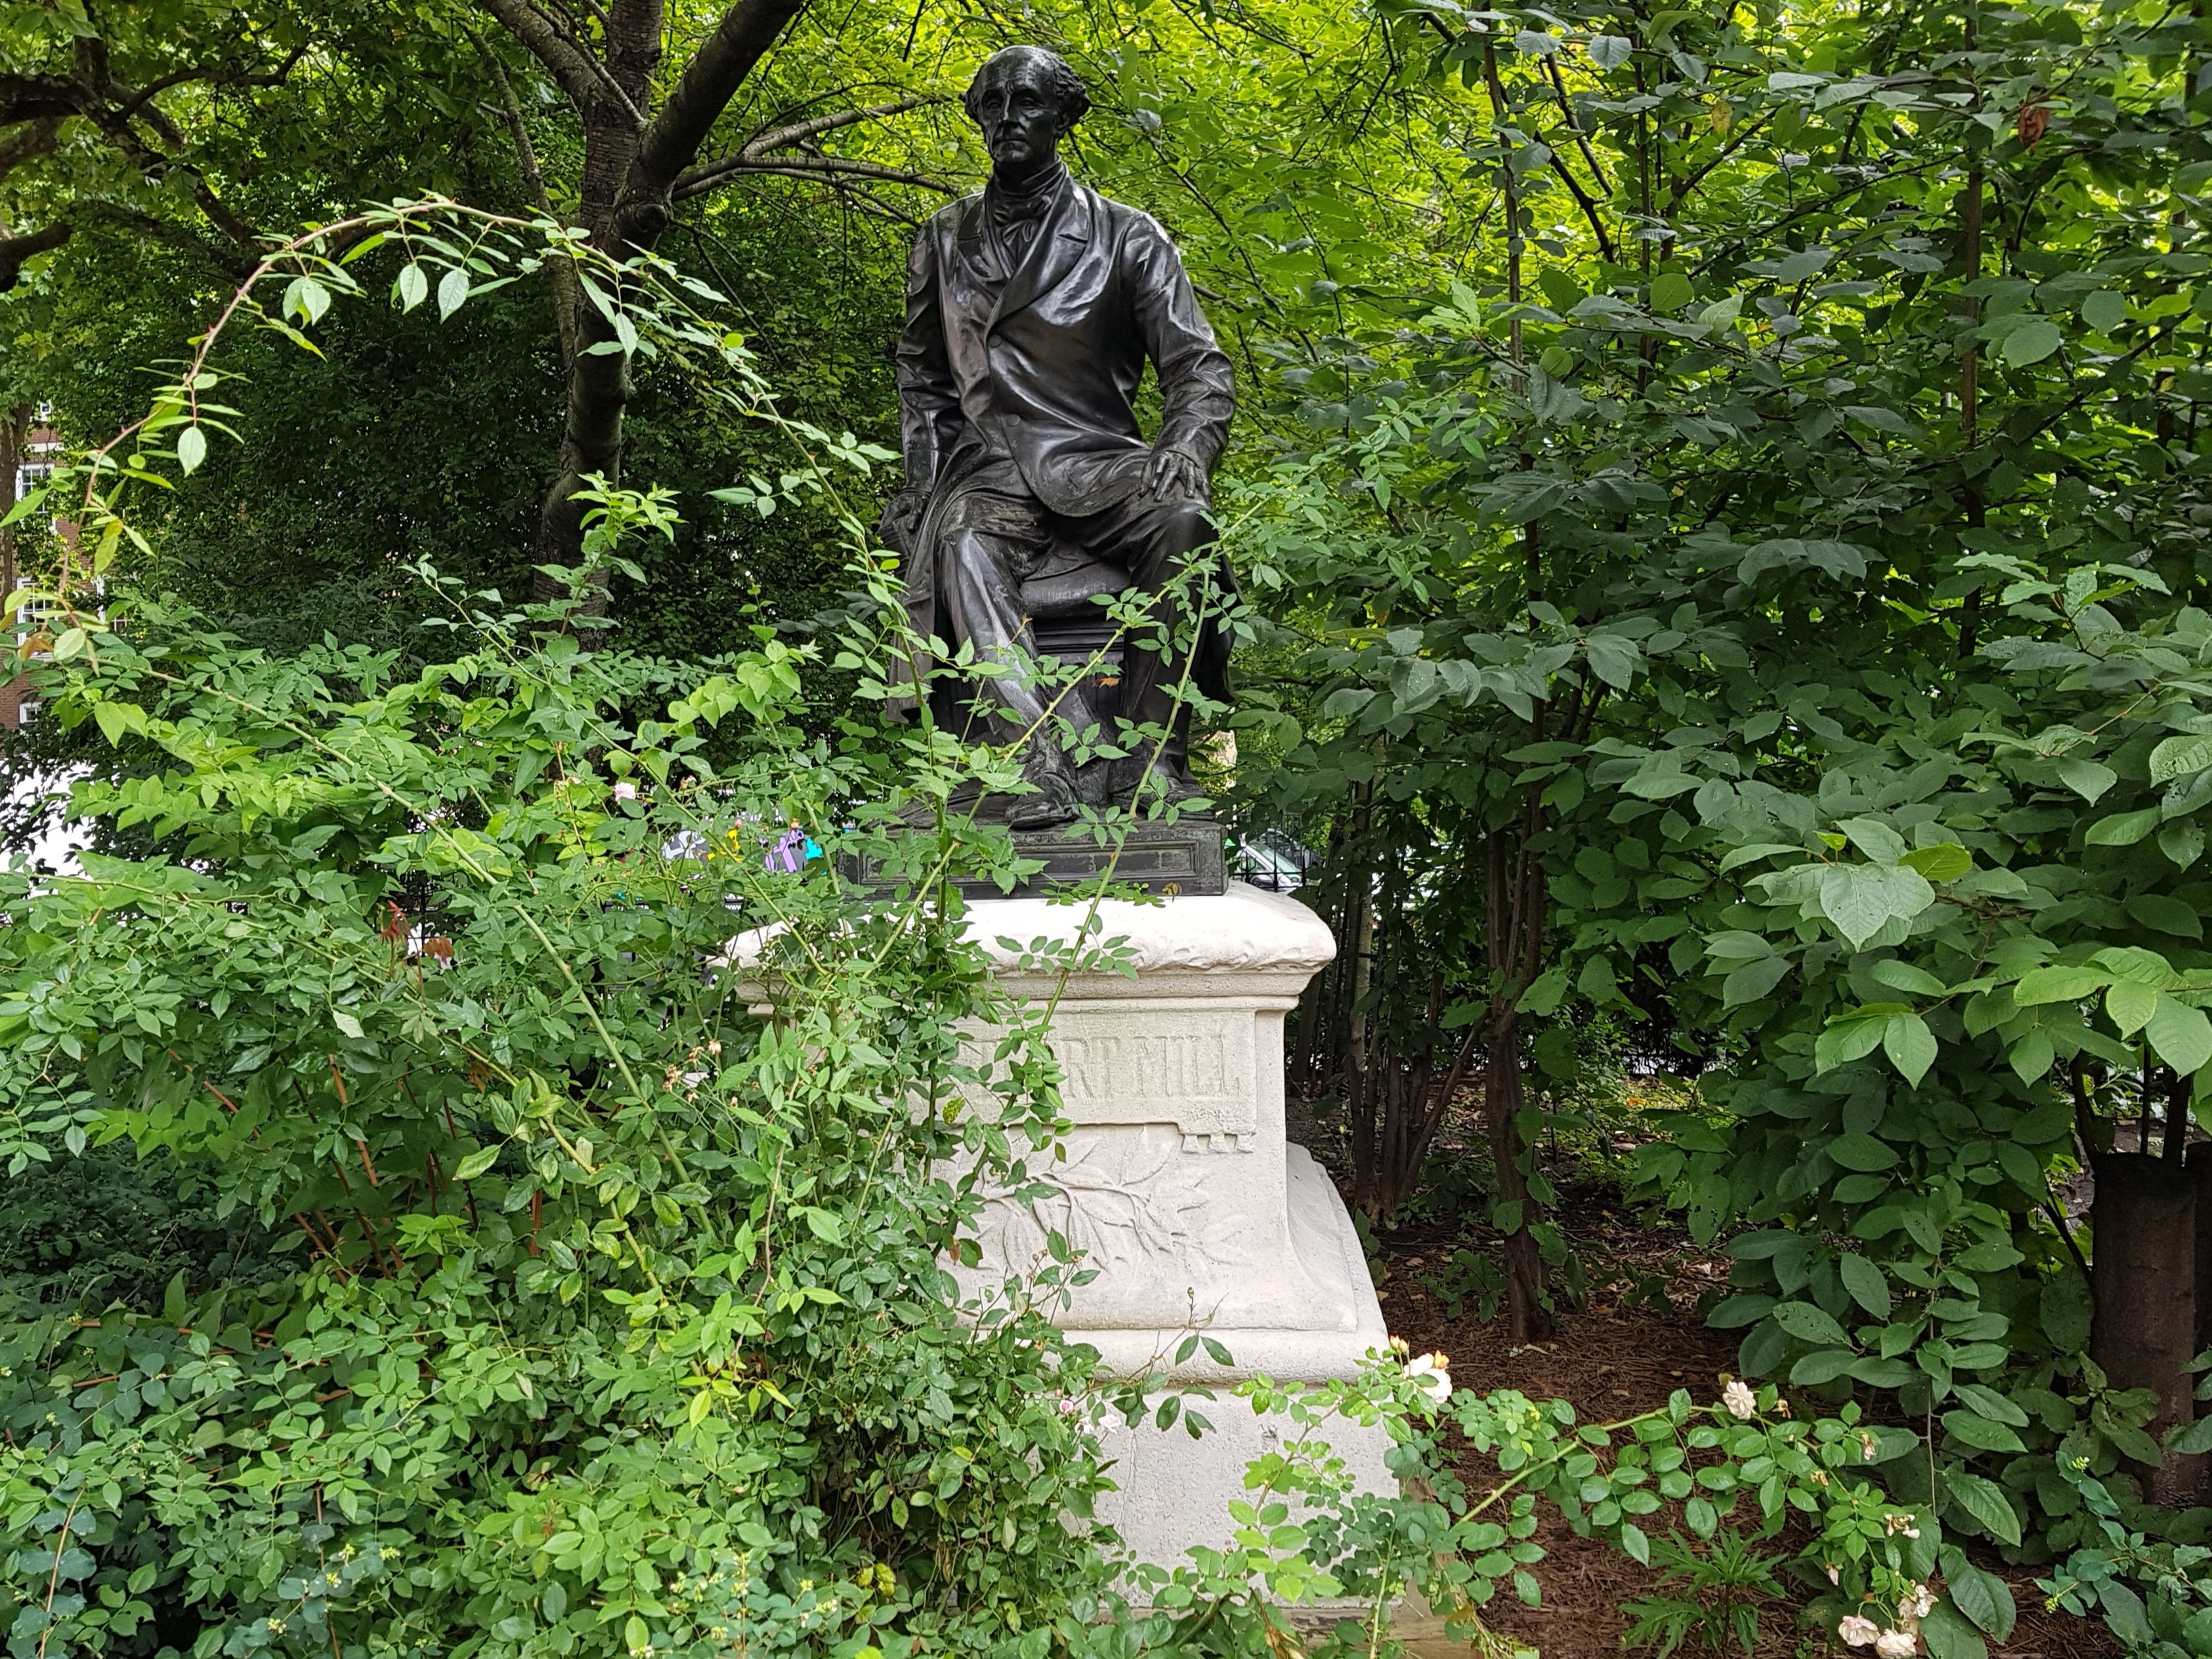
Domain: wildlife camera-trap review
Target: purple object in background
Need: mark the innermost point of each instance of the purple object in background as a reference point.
(789, 854)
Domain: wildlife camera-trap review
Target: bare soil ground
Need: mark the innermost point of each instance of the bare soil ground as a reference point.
(1636, 1341)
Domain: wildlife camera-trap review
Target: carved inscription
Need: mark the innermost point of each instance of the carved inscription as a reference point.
(1172, 1067)
(1196, 1073)
(1194, 1069)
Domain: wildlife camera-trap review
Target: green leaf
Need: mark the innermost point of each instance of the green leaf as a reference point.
(191, 448)
(475, 1164)
(1596, 982)
(1862, 899)
(1610, 52)
(2130, 1005)
(2032, 1056)
(1983, 1500)
(1764, 849)
(1979, 1432)
(1883, 1373)
(2064, 1307)
(2059, 985)
(1880, 843)
(1866, 1283)
(1847, 1040)
(1670, 289)
(2122, 828)
(1805, 1322)
(1983, 1597)
(413, 286)
(2167, 914)
(117, 720)
(453, 291)
(1822, 1366)
(2087, 778)
(2134, 962)
(1753, 980)
(2179, 757)
(1721, 312)
(345, 1023)
(2180, 1036)
(1946, 861)
(1862, 1152)
(1904, 976)
(2104, 310)
(306, 299)
(1911, 1047)
(823, 1224)
(1947, 1636)
(2030, 343)
(1988, 1402)
(1749, 1309)
(2191, 1437)
(1803, 263)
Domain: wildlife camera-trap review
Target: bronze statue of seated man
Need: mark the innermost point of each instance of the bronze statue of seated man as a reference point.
(1032, 308)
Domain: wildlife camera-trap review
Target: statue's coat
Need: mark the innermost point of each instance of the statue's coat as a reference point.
(1055, 361)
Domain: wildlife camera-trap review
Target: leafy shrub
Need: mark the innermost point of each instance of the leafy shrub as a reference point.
(1717, 1597)
(624, 1324)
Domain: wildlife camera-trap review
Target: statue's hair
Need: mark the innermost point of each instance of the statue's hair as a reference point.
(1066, 86)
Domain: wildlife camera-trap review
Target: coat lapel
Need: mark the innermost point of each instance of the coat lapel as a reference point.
(1059, 243)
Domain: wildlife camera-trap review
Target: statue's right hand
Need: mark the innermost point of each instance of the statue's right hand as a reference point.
(902, 518)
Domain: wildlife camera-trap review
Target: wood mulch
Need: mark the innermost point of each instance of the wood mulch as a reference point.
(1623, 1354)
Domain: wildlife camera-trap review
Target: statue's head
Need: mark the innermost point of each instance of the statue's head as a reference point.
(1025, 99)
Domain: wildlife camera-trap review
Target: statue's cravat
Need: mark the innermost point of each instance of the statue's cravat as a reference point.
(1018, 210)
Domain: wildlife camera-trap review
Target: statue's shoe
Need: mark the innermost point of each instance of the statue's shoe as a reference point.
(1053, 804)
(1040, 813)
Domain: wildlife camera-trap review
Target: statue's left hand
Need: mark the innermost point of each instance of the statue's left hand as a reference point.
(1170, 475)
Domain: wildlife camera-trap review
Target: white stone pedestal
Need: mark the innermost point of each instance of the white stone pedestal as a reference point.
(1181, 1188)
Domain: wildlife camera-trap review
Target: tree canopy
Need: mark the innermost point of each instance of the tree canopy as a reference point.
(1716, 492)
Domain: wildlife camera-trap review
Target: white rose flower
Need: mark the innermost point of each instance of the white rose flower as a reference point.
(1858, 1631)
(1739, 1400)
(1896, 1644)
(1430, 1373)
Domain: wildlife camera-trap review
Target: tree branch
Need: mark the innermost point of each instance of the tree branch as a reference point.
(14, 250)
(1582, 200)
(38, 97)
(783, 137)
(671, 141)
(566, 296)
(1682, 187)
(1582, 142)
(571, 70)
(702, 179)
(646, 30)
(215, 75)
(29, 142)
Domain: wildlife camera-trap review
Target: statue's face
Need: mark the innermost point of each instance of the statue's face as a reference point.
(1020, 117)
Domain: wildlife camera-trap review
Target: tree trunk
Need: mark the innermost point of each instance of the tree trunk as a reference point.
(1527, 1319)
(14, 432)
(2142, 1333)
(599, 383)
(1358, 1054)
(634, 156)
(2200, 1183)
